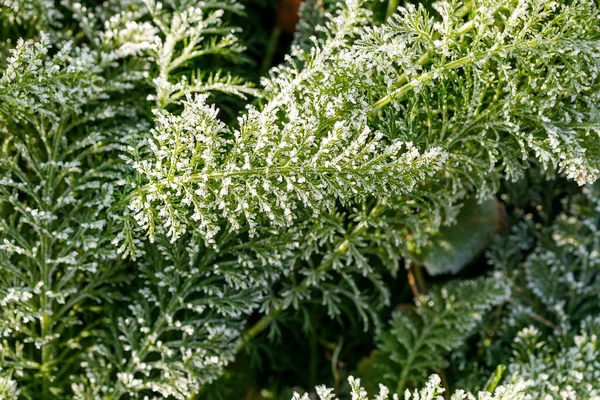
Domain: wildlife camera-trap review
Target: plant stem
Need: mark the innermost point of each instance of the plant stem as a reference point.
(412, 281)
(444, 380)
(418, 270)
(417, 286)
(334, 365)
(257, 328)
(541, 319)
(491, 384)
(392, 6)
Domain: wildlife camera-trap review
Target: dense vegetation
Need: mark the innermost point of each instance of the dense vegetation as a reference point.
(216, 199)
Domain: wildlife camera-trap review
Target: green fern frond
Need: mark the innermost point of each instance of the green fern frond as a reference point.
(199, 174)
(418, 340)
(58, 146)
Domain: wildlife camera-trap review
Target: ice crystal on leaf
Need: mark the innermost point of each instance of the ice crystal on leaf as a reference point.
(431, 391)
(486, 96)
(8, 388)
(34, 84)
(572, 372)
(200, 174)
(362, 143)
(57, 173)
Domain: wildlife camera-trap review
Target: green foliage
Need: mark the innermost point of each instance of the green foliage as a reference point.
(552, 286)
(182, 325)
(62, 132)
(564, 271)
(158, 211)
(55, 198)
(572, 370)
(552, 271)
(306, 114)
(418, 340)
(197, 174)
(431, 391)
(36, 86)
(43, 13)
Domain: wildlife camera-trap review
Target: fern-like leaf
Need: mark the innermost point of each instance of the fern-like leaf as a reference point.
(418, 340)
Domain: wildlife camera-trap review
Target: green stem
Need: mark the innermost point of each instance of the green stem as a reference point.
(461, 12)
(491, 384)
(334, 364)
(461, 62)
(392, 6)
(46, 303)
(257, 328)
(259, 171)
